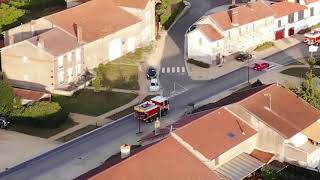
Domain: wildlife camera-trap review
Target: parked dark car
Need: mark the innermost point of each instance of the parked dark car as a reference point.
(151, 73)
(4, 123)
(243, 56)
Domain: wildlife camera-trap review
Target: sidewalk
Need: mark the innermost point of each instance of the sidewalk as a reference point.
(198, 73)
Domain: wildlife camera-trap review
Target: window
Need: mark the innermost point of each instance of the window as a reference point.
(291, 18)
(229, 34)
(279, 23)
(25, 77)
(200, 42)
(78, 55)
(300, 15)
(218, 44)
(78, 69)
(60, 62)
(253, 27)
(69, 56)
(24, 59)
(70, 75)
(265, 22)
(240, 30)
(61, 77)
(312, 11)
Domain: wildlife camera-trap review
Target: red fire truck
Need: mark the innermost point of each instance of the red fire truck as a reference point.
(150, 110)
(312, 37)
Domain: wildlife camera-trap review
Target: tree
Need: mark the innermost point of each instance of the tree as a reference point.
(309, 90)
(9, 15)
(6, 98)
(97, 83)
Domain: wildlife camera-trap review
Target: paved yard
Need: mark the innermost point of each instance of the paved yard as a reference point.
(16, 148)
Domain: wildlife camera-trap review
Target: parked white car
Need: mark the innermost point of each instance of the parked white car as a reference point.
(154, 85)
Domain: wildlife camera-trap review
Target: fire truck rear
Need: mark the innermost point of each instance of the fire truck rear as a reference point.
(148, 111)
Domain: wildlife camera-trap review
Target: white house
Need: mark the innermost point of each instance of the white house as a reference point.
(226, 32)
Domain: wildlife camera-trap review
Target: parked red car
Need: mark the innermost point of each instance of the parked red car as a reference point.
(261, 66)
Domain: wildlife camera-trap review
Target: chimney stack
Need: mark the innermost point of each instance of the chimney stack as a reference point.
(125, 151)
(78, 29)
(234, 18)
(40, 42)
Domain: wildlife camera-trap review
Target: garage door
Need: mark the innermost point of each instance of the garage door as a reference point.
(114, 49)
(131, 44)
(279, 34)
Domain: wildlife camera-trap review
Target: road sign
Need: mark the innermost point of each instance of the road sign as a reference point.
(313, 48)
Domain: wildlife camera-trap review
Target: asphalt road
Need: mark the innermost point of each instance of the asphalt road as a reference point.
(112, 136)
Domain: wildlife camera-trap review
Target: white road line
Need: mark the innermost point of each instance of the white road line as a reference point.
(183, 70)
(168, 69)
(163, 70)
(173, 69)
(178, 69)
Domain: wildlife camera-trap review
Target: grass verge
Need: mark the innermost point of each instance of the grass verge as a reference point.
(300, 72)
(77, 133)
(42, 132)
(264, 46)
(93, 103)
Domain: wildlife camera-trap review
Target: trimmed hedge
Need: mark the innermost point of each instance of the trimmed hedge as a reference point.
(198, 63)
(264, 46)
(40, 114)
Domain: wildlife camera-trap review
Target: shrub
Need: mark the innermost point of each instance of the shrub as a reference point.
(316, 26)
(198, 63)
(264, 46)
(40, 114)
(6, 98)
(97, 83)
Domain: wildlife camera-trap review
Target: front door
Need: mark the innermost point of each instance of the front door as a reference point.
(114, 49)
(291, 31)
(279, 34)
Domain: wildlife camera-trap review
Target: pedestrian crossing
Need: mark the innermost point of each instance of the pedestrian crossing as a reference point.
(169, 70)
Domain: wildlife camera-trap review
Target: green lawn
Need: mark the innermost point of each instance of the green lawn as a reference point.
(300, 72)
(134, 58)
(42, 132)
(93, 103)
(77, 133)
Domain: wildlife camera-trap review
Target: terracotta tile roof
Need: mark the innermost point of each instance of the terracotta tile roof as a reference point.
(310, 1)
(285, 8)
(246, 14)
(30, 94)
(220, 127)
(262, 156)
(140, 4)
(56, 41)
(288, 115)
(164, 160)
(232, 98)
(210, 32)
(98, 18)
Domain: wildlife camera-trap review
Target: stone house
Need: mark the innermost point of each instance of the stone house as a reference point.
(53, 53)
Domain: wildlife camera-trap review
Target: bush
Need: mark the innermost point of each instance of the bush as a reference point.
(315, 26)
(264, 46)
(6, 98)
(40, 114)
(198, 63)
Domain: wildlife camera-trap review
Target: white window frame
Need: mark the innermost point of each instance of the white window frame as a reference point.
(70, 75)
(25, 59)
(78, 69)
(69, 56)
(60, 62)
(200, 41)
(78, 55)
(25, 77)
(61, 77)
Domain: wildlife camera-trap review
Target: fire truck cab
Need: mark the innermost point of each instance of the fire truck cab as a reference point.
(312, 37)
(148, 111)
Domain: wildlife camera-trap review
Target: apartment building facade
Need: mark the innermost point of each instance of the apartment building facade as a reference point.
(75, 41)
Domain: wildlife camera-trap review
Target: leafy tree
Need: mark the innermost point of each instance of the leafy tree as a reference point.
(97, 83)
(19, 3)
(311, 62)
(309, 90)
(6, 98)
(9, 15)
(163, 8)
